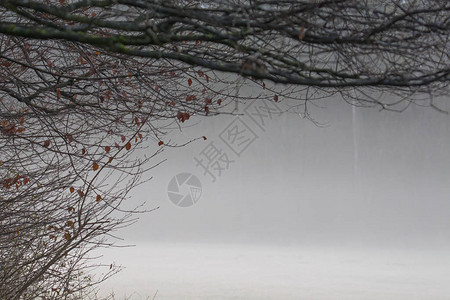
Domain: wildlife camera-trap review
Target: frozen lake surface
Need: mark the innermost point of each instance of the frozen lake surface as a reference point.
(221, 271)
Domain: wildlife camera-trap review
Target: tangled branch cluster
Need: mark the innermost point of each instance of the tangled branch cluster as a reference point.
(316, 43)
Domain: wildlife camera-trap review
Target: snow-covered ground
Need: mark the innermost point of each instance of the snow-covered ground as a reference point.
(220, 271)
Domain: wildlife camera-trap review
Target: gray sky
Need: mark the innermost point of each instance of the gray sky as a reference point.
(366, 178)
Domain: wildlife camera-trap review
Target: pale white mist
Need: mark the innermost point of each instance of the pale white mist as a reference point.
(358, 209)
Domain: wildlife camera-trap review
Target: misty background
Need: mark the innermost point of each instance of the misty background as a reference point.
(361, 197)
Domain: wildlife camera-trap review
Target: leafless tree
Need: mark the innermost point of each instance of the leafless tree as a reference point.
(71, 120)
(84, 84)
(400, 44)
